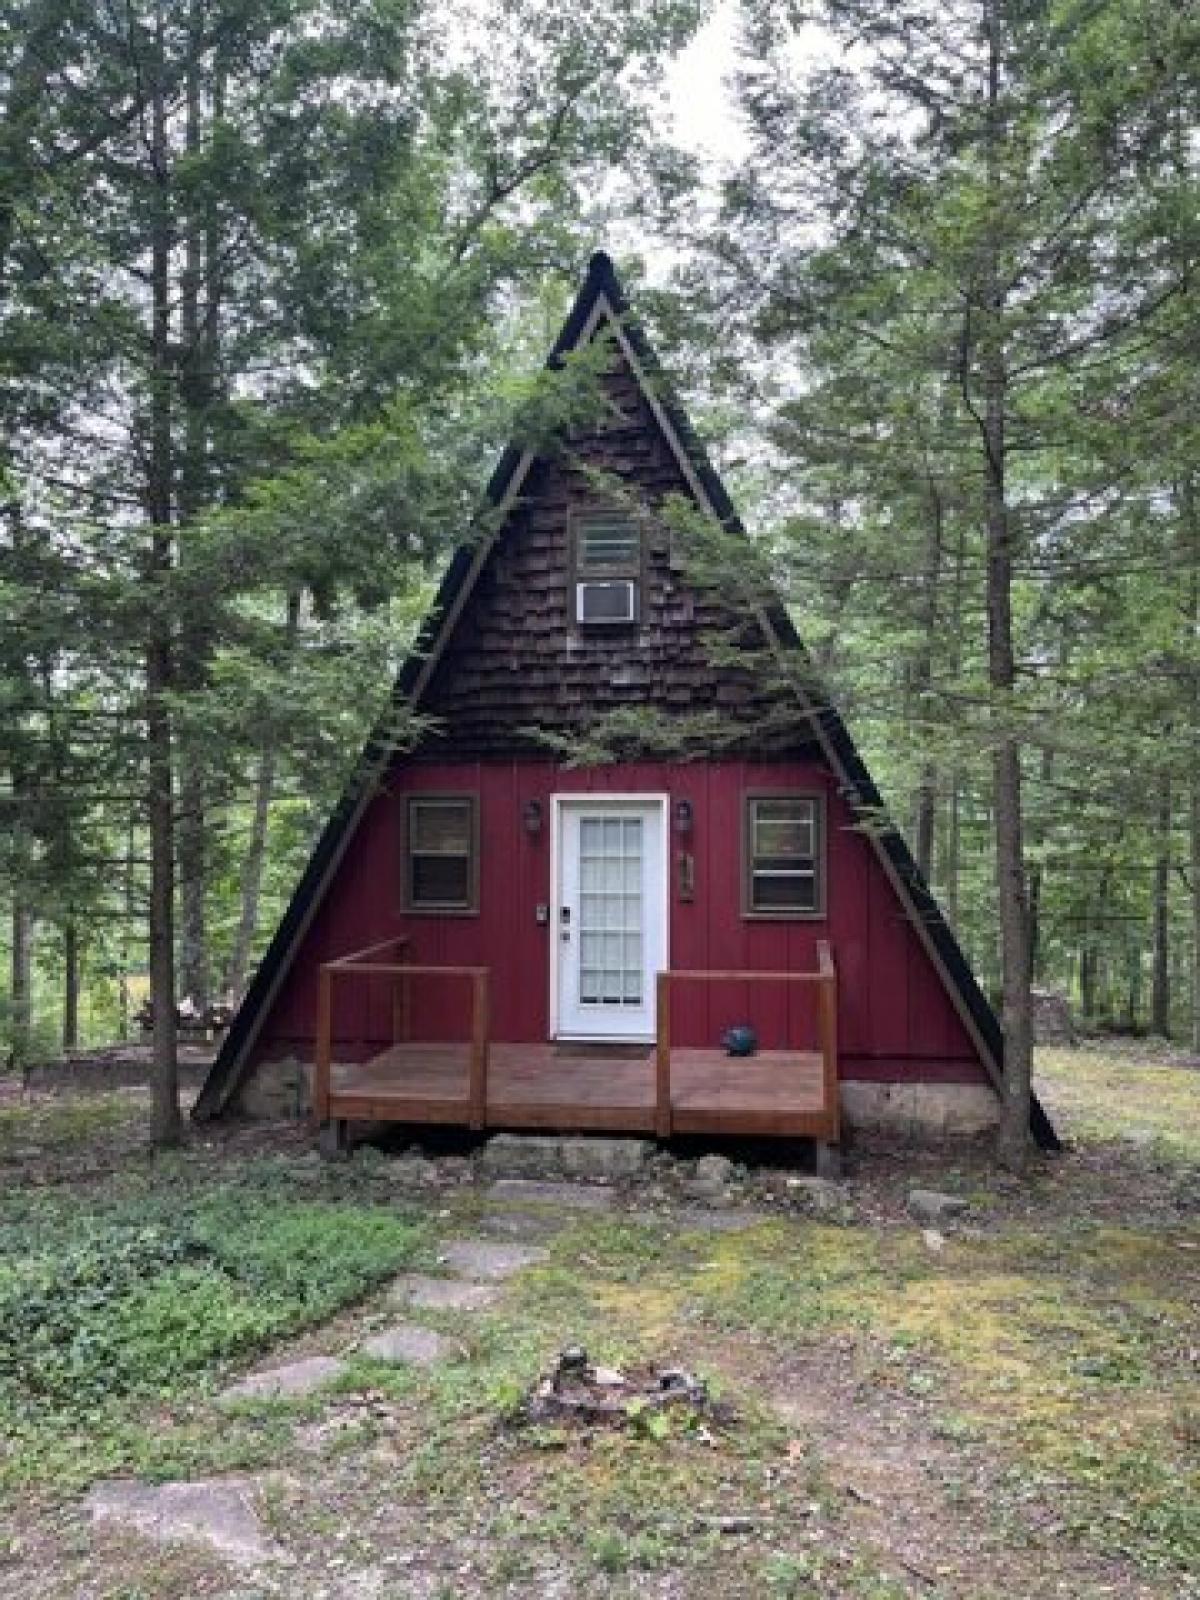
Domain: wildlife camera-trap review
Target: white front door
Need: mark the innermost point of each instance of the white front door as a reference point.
(610, 933)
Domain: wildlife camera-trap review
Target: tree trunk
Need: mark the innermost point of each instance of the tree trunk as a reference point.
(926, 806)
(1087, 981)
(1133, 991)
(160, 782)
(70, 1017)
(1036, 872)
(951, 866)
(256, 850)
(1160, 987)
(1191, 531)
(951, 869)
(1013, 1142)
(191, 664)
(21, 986)
(127, 918)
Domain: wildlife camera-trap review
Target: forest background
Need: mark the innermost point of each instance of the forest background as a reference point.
(276, 283)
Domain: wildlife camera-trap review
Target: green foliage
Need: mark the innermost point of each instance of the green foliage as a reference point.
(157, 1293)
(260, 270)
(1021, 185)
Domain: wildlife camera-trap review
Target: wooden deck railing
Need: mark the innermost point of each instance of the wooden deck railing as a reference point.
(825, 977)
(362, 963)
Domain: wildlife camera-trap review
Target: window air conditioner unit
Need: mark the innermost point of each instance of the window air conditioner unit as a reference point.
(606, 601)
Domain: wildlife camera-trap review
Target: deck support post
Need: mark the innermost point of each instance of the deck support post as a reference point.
(662, 1073)
(477, 1089)
(827, 1012)
(828, 1161)
(333, 1139)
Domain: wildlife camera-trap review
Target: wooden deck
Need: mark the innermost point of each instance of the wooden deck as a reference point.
(661, 1089)
(585, 1089)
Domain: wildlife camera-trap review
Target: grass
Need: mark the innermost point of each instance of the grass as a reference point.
(49, 1126)
(1043, 1359)
(1109, 1094)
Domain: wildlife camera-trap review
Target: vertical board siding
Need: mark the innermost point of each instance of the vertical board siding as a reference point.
(895, 1019)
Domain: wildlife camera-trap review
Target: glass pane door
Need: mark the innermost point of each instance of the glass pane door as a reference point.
(611, 970)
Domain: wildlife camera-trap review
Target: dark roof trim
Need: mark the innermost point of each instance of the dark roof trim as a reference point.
(863, 796)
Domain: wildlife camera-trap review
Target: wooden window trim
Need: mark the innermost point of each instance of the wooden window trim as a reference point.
(619, 572)
(820, 859)
(469, 798)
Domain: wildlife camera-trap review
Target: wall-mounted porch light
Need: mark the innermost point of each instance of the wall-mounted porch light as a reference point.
(683, 817)
(531, 816)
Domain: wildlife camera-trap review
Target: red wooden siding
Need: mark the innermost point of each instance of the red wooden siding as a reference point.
(896, 1020)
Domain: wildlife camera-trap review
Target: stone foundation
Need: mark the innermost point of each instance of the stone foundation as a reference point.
(509, 1155)
(922, 1112)
(277, 1089)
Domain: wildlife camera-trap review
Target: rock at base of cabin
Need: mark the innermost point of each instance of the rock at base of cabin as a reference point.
(414, 1171)
(930, 1205)
(820, 1194)
(511, 1155)
(276, 1089)
(605, 1158)
(923, 1113)
(706, 1191)
(715, 1169)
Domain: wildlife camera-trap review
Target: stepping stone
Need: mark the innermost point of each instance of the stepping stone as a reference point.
(217, 1512)
(443, 1294)
(574, 1196)
(523, 1224)
(486, 1258)
(406, 1344)
(930, 1205)
(727, 1219)
(297, 1378)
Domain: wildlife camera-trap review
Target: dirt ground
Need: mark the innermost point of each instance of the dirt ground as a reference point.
(1003, 1403)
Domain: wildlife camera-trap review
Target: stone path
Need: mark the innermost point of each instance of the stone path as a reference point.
(527, 1225)
(294, 1378)
(443, 1294)
(697, 1219)
(721, 1219)
(219, 1513)
(409, 1344)
(487, 1258)
(572, 1196)
(216, 1512)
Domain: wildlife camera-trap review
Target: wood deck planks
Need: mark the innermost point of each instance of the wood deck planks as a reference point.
(546, 1086)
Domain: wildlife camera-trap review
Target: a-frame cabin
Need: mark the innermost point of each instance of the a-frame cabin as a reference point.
(494, 934)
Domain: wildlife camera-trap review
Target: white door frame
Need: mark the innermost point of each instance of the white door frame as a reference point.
(560, 803)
